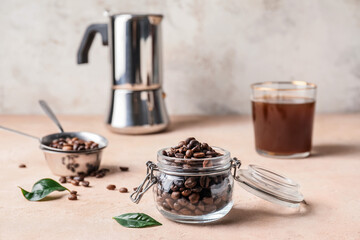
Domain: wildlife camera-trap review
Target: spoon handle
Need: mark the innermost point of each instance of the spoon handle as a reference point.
(18, 132)
(50, 114)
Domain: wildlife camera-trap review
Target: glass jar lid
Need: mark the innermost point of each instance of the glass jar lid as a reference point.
(270, 186)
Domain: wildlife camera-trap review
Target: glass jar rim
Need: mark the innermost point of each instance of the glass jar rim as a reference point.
(298, 86)
(219, 163)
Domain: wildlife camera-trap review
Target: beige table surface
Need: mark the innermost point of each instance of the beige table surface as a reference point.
(329, 179)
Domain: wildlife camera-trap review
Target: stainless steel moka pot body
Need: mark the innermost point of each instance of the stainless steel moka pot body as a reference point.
(137, 100)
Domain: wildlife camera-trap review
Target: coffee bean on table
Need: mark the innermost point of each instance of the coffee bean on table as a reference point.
(72, 197)
(73, 192)
(111, 187)
(79, 178)
(62, 179)
(123, 190)
(85, 183)
(75, 182)
(124, 169)
(22, 166)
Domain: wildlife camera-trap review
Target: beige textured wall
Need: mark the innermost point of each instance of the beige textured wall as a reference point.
(213, 50)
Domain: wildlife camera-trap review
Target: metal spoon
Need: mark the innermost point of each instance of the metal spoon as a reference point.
(50, 114)
(21, 133)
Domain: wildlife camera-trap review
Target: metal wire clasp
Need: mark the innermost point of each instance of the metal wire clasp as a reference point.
(149, 180)
(235, 164)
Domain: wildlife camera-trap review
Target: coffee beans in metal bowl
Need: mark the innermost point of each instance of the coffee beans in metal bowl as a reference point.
(73, 144)
(192, 195)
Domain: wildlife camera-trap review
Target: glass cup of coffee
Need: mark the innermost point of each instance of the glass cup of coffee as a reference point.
(283, 114)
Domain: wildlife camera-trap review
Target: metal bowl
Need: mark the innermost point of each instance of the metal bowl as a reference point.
(72, 163)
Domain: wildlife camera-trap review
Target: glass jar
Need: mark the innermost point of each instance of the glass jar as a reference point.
(200, 190)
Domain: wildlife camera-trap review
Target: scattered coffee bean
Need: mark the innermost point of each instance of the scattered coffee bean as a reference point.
(22, 166)
(62, 179)
(75, 182)
(111, 187)
(124, 169)
(85, 183)
(73, 192)
(79, 178)
(72, 197)
(123, 190)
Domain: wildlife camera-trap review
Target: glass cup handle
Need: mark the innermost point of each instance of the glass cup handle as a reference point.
(148, 182)
(235, 165)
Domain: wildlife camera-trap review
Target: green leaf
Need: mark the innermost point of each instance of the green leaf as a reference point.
(42, 188)
(136, 220)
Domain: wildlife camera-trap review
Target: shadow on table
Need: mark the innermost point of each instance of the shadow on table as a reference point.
(334, 149)
(240, 215)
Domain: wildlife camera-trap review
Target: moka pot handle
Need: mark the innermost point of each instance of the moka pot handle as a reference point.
(89, 35)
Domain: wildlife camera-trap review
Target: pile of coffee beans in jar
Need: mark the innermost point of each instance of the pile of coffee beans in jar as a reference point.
(73, 144)
(193, 195)
(189, 154)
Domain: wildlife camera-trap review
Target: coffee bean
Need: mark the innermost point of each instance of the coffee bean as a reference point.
(177, 206)
(73, 192)
(75, 182)
(185, 211)
(123, 190)
(179, 183)
(196, 189)
(179, 155)
(164, 153)
(194, 198)
(199, 155)
(174, 188)
(72, 197)
(22, 166)
(204, 146)
(207, 163)
(187, 141)
(166, 206)
(79, 178)
(124, 169)
(204, 181)
(186, 192)
(100, 175)
(190, 182)
(201, 206)
(217, 201)
(193, 143)
(210, 208)
(67, 148)
(208, 200)
(198, 212)
(189, 153)
(111, 187)
(85, 183)
(62, 179)
(180, 144)
(182, 202)
(169, 202)
(175, 195)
